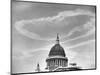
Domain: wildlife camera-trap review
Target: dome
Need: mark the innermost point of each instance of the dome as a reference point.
(57, 50)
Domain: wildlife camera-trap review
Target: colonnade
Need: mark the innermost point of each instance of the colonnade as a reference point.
(57, 62)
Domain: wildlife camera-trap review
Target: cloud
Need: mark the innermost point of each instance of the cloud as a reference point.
(19, 26)
(45, 28)
(80, 34)
(82, 31)
(89, 35)
(80, 44)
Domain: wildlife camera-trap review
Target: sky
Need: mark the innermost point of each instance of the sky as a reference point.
(34, 30)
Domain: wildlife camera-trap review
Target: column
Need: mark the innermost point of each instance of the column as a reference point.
(61, 62)
(64, 63)
(47, 63)
(53, 62)
(50, 63)
(57, 61)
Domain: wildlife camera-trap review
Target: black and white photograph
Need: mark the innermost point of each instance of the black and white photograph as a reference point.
(52, 37)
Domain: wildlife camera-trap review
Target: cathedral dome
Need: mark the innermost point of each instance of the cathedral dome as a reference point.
(56, 57)
(57, 50)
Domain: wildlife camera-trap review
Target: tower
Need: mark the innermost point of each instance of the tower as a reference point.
(38, 68)
(57, 57)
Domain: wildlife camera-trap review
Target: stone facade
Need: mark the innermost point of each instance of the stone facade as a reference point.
(57, 57)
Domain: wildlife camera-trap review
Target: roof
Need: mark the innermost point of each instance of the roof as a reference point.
(67, 69)
(57, 50)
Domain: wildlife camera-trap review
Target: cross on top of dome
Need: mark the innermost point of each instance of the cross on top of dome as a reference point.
(57, 40)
